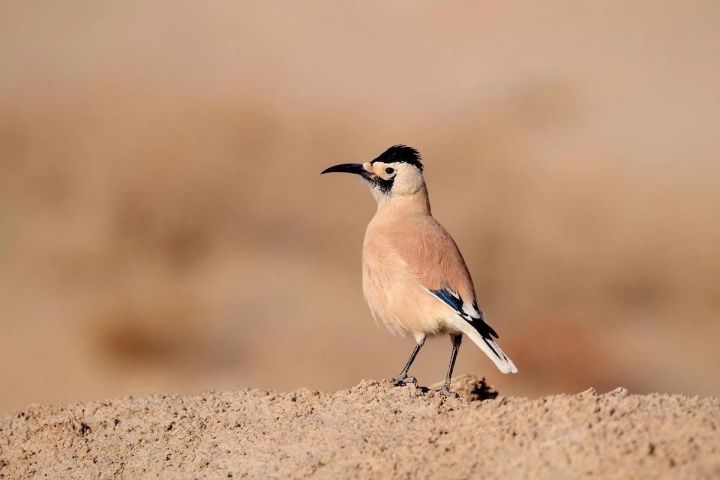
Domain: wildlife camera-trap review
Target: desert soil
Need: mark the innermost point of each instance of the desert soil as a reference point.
(373, 430)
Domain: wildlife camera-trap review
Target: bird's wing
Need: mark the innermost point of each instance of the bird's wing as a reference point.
(437, 264)
(434, 260)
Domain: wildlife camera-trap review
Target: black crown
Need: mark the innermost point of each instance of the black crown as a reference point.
(401, 153)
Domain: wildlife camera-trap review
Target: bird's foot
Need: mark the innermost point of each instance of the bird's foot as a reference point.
(446, 392)
(402, 380)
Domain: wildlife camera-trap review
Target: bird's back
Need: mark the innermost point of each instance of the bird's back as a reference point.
(427, 250)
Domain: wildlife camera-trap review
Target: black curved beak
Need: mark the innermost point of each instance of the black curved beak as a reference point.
(355, 168)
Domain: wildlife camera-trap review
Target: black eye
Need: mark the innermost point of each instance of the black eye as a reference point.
(389, 170)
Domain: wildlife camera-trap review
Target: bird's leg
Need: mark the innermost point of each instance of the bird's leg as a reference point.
(403, 378)
(456, 341)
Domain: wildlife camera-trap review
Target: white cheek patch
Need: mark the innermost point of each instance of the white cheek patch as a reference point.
(380, 169)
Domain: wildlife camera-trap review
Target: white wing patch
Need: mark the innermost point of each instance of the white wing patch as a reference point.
(467, 311)
(471, 311)
(470, 321)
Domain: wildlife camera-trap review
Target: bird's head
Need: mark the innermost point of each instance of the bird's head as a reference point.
(396, 172)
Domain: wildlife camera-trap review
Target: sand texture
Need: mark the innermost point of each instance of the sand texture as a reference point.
(373, 430)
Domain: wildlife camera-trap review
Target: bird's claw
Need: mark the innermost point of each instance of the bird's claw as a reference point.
(404, 380)
(446, 392)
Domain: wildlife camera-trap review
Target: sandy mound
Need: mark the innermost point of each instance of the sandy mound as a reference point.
(371, 430)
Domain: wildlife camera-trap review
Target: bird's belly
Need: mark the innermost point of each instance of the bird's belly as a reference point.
(398, 301)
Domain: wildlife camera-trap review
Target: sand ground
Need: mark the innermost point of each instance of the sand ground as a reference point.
(372, 430)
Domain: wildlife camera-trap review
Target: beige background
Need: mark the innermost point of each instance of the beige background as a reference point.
(163, 227)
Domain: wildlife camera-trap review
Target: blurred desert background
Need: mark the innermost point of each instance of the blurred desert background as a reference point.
(164, 227)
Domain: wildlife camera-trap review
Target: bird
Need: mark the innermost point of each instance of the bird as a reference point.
(415, 280)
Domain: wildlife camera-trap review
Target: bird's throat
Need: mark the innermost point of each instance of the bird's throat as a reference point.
(414, 203)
